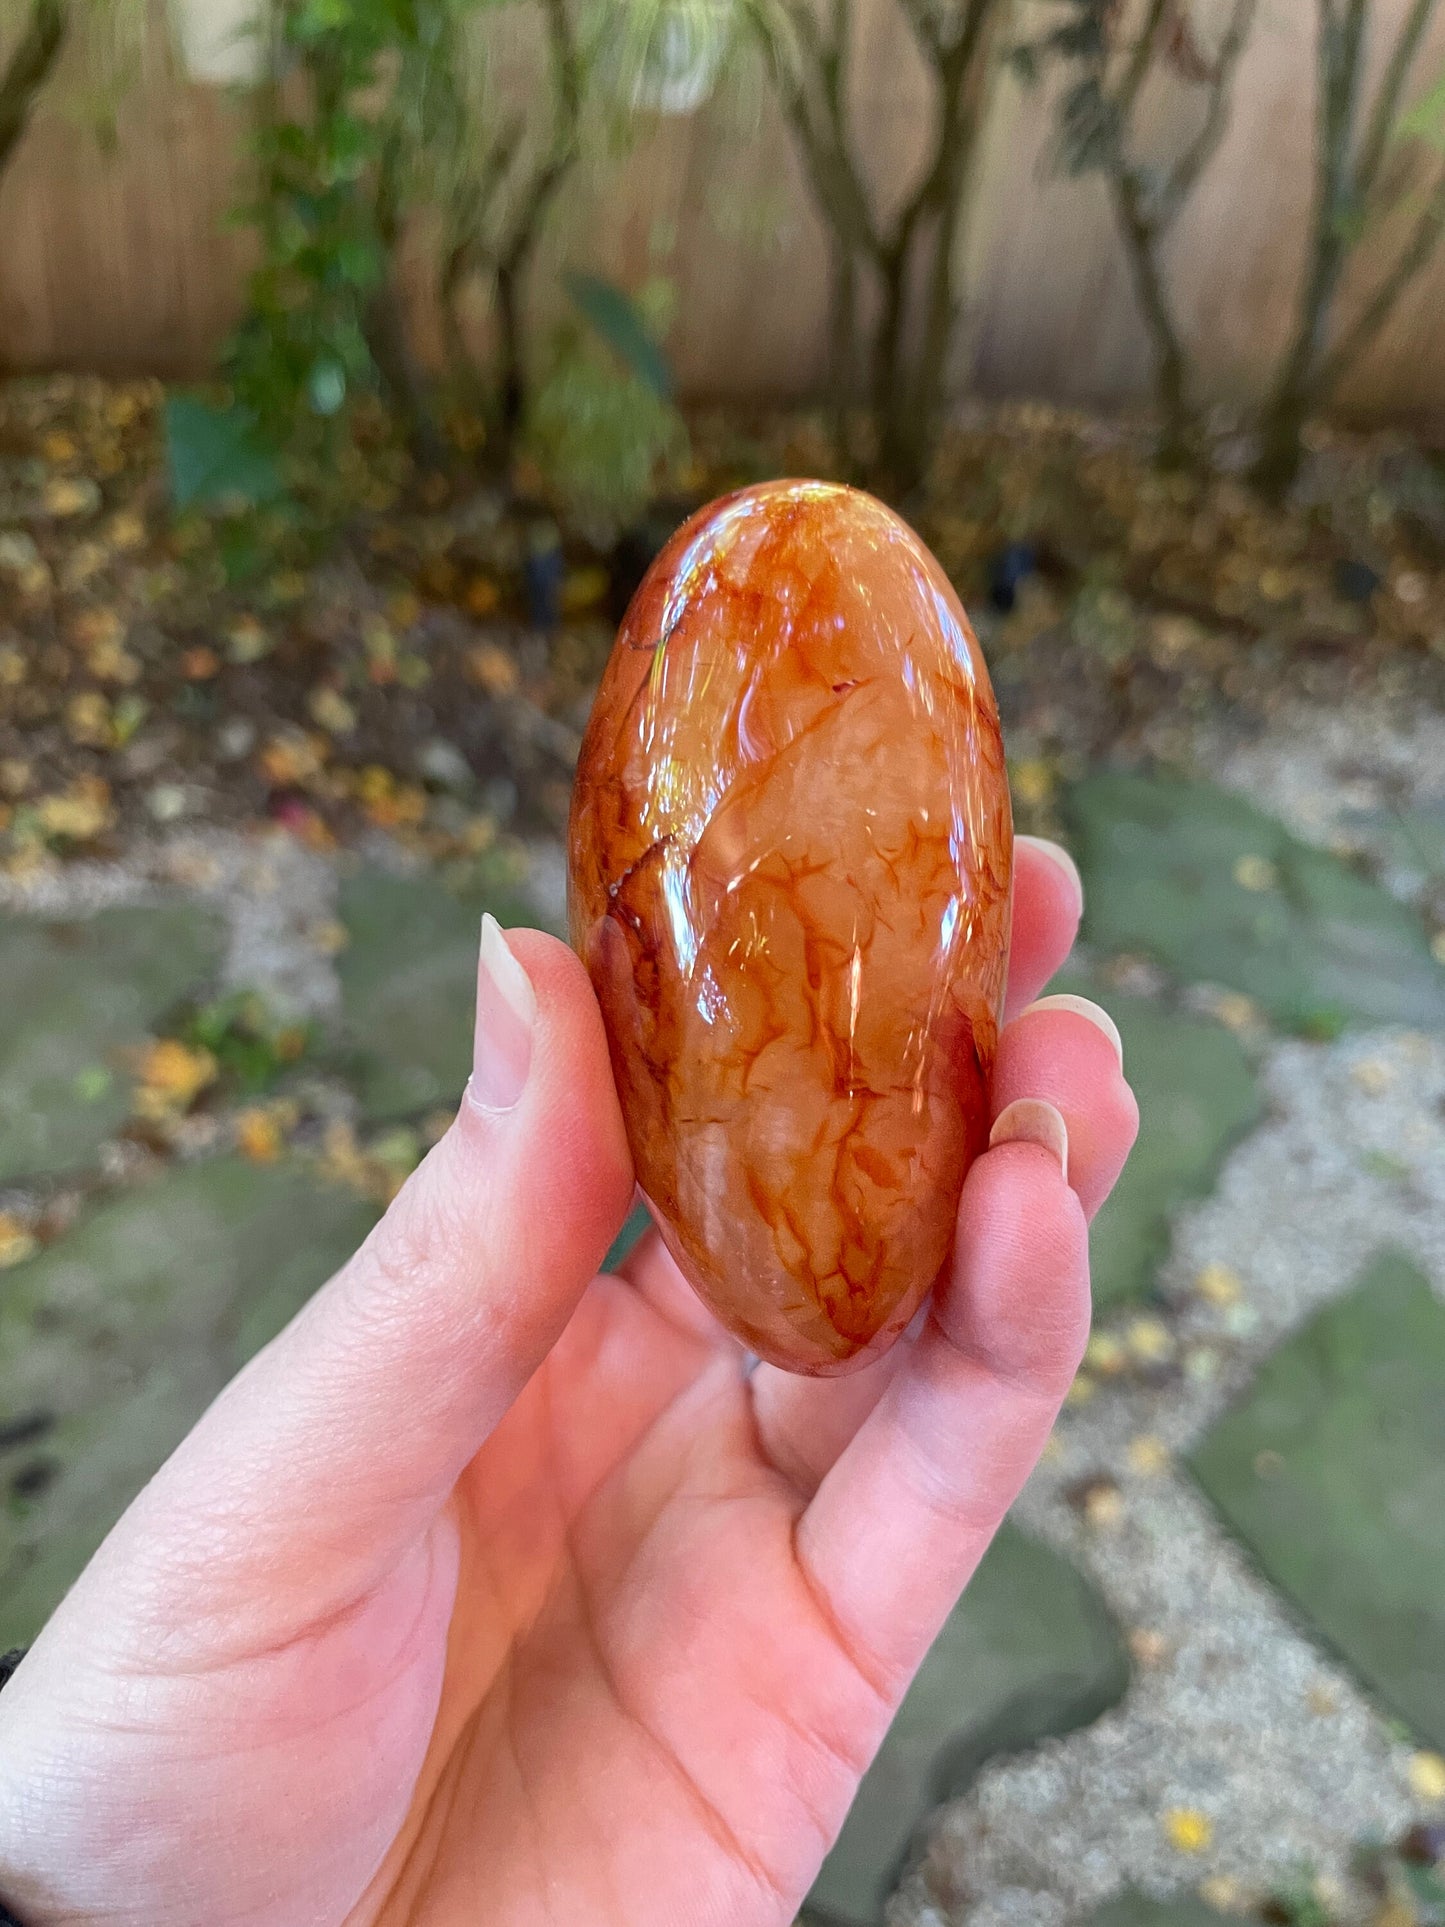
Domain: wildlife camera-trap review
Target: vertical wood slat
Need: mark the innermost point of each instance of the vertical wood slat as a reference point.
(122, 260)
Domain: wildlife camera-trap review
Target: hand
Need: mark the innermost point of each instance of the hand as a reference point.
(496, 1591)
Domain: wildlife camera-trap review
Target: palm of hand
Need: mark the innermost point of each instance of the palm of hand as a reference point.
(634, 1637)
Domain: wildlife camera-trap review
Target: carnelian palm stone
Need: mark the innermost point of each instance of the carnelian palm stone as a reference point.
(790, 866)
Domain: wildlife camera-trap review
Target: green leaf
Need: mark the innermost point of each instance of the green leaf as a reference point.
(93, 1083)
(1428, 1892)
(216, 456)
(1426, 119)
(326, 387)
(613, 314)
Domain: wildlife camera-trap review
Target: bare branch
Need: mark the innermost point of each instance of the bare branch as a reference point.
(1386, 110)
(1412, 259)
(824, 139)
(1142, 53)
(1200, 152)
(1171, 378)
(28, 69)
(565, 65)
(925, 28)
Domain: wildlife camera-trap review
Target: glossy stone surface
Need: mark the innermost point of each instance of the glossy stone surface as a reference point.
(790, 866)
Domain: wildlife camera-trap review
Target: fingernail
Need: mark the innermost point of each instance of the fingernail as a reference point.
(1029, 1120)
(1059, 856)
(1082, 1007)
(506, 1013)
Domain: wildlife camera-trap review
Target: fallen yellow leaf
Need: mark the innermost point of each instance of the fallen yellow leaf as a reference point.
(97, 628)
(482, 596)
(289, 761)
(127, 530)
(584, 589)
(331, 709)
(246, 640)
(258, 1136)
(84, 562)
(171, 1075)
(1150, 1340)
(1219, 1285)
(403, 610)
(1255, 873)
(1188, 1829)
(493, 669)
(1103, 1505)
(80, 813)
(1222, 1891)
(1149, 1648)
(1426, 1774)
(1148, 1455)
(1106, 1354)
(87, 719)
(111, 663)
(329, 935)
(1033, 780)
(199, 664)
(16, 1243)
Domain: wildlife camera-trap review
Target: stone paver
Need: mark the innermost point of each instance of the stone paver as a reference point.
(1139, 1910)
(116, 1338)
(1030, 1651)
(1330, 1470)
(639, 1219)
(1197, 1097)
(1218, 892)
(76, 993)
(408, 984)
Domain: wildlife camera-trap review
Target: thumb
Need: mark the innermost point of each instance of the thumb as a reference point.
(341, 1441)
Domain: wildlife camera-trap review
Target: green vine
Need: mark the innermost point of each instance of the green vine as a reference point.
(302, 354)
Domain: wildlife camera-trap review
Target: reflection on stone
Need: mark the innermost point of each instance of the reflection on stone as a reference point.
(791, 854)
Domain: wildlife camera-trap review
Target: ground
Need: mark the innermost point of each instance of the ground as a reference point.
(253, 815)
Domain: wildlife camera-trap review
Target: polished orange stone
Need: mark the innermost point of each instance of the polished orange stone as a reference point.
(790, 864)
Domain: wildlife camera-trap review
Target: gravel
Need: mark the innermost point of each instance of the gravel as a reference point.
(1233, 1712)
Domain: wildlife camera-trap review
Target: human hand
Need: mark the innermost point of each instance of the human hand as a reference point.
(496, 1590)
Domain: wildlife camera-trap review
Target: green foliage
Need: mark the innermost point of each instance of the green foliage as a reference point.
(252, 1045)
(302, 352)
(618, 320)
(1407, 1873)
(216, 457)
(1425, 121)
(600, 433)
(1298, 1903)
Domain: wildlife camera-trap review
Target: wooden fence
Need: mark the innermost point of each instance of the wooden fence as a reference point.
(118, 257)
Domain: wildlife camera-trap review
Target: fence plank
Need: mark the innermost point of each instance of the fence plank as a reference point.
(120, 260)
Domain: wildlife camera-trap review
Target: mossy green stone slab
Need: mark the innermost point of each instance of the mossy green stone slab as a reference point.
(638, 1221)
(1139, 1910)
(409, 985)
(1331, 1470)
(1029, 1651)
(1167, 866)
(72, 995)
(1197, 1097)
(121, 1333)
